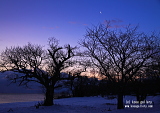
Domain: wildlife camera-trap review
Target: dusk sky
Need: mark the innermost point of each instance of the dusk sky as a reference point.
(23, 21)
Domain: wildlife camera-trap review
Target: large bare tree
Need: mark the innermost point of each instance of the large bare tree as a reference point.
(38, 65)
(119, 54)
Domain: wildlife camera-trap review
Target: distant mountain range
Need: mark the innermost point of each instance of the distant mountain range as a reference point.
(7, 87)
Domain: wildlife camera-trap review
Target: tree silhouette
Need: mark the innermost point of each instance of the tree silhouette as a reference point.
(119, 54)
(38, 65)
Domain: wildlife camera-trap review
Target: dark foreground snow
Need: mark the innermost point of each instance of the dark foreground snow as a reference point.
(79, 105)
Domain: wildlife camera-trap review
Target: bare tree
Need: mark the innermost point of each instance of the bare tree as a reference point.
(119, 54)
(38, 65)
(59, 59)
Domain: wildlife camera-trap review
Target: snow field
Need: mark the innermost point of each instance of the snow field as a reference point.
(79, 105)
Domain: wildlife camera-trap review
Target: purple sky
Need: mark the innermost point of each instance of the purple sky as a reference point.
(23, 21)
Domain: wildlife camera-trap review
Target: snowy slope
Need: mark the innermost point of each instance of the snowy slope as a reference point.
(79, 105)
(7, 87)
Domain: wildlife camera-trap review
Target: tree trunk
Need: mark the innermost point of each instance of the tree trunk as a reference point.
(49, 96)
(121, 88)
(120, 100)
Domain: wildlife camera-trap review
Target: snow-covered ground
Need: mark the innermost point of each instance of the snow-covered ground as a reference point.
(24, 104)
(80, 105)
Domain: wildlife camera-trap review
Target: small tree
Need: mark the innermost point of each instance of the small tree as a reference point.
(119, 54)
(38, 65)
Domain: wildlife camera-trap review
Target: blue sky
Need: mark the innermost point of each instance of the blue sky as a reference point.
(23, 21)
